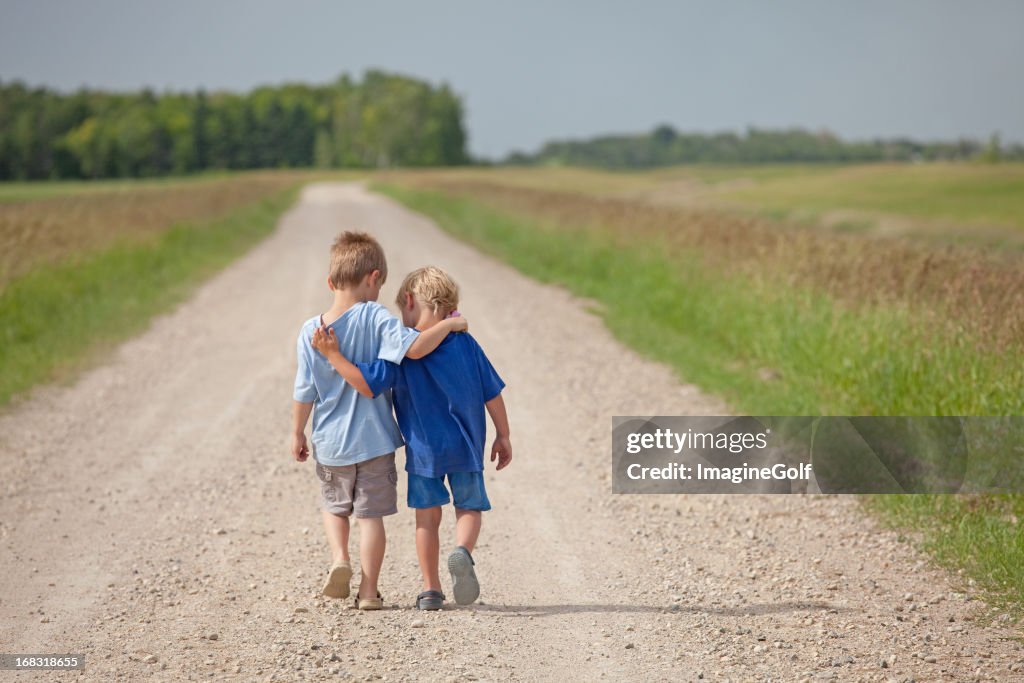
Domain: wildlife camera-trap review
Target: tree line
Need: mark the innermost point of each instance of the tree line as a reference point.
(383, 120)
(665, 146)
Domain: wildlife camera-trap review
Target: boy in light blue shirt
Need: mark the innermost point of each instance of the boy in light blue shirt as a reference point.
(354, 437)
(440, 402)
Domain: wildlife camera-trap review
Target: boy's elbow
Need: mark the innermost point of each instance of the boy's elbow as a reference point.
(366, 392)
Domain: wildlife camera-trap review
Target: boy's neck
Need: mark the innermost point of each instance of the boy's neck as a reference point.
(428, 319)
(344, 299)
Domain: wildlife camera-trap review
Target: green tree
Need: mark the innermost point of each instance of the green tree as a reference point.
(383, 120)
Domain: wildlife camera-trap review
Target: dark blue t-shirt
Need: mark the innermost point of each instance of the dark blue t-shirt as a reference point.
(439, 402)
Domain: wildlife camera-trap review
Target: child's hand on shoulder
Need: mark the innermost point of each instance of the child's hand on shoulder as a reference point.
(501, 451)
(456, 323)
(325, 341)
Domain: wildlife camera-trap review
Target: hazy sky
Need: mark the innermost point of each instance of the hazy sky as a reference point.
(531, 71)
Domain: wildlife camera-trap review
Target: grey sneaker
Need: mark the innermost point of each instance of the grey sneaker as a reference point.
(465, 586)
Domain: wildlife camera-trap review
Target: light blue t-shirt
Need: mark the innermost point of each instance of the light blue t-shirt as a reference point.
(348, 427)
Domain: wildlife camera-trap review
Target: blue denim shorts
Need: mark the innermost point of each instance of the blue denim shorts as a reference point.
(468, 491)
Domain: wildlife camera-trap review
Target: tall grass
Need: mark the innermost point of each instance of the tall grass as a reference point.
(770, 343)
(57, 316)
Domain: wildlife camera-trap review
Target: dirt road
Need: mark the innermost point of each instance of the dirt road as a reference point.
(152, 518)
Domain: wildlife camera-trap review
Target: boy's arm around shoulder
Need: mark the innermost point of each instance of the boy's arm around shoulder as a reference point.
(398, 341)
(380, 375)
(431, 338)
(327, 344)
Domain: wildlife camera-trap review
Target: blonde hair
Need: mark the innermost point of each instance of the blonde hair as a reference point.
(354, 255)
(432, 287)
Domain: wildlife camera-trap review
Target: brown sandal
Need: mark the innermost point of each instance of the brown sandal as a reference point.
(370, 603)
(336, 585)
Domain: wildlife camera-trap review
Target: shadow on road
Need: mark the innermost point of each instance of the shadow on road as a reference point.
(742, 611)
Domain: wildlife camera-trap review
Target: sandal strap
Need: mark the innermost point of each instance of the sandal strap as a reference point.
(358, 599)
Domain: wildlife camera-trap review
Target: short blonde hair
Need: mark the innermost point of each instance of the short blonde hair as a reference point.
(432, 287)
(354, 255)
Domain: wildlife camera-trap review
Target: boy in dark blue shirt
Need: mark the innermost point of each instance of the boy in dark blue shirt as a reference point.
(439, 402)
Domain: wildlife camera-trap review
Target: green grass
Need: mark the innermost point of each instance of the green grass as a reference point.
(982, 535)
(721, 332)
(55, 318)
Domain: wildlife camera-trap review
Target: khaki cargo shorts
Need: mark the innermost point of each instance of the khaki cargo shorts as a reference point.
(368, 488)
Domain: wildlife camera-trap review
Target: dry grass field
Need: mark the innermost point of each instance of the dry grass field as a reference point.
(72, 221)
(962, 283)
(950, 202)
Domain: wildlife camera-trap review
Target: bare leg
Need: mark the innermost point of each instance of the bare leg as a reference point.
(428, 521)
(467, 528)
(337, 529)
(371, 554)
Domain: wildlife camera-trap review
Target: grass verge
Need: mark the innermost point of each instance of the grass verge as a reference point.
(774, 348)
(108, 295)
(979, 535)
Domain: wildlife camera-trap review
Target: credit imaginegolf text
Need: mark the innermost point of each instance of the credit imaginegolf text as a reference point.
(736, 475)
